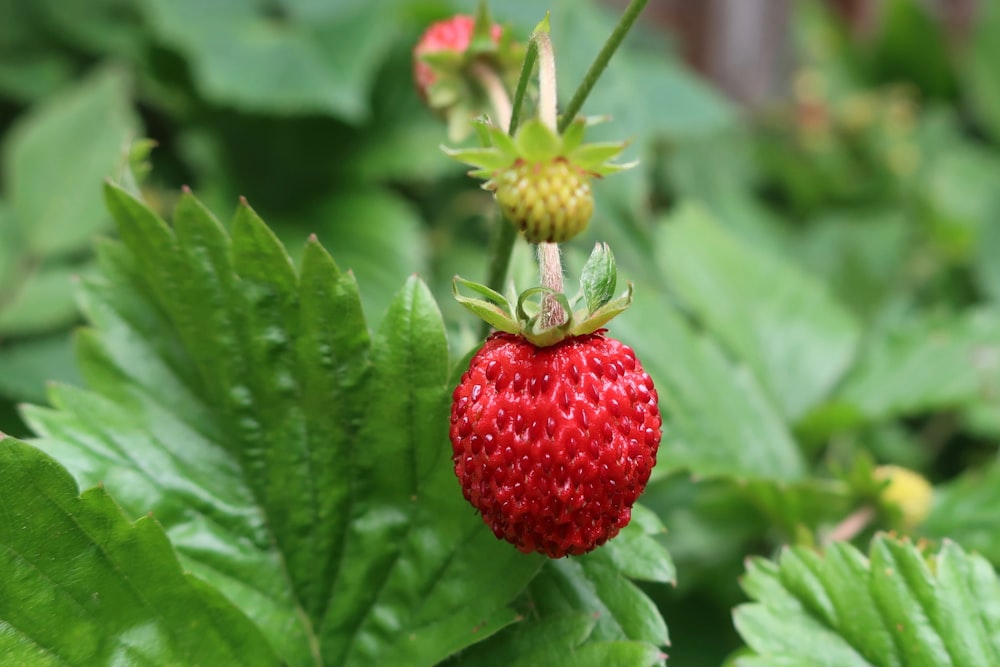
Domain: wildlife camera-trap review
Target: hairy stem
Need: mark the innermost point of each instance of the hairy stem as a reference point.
(547, 105)
(851, 526)
(550, 267)
(495, 90)
(549, 260)
(601, 61)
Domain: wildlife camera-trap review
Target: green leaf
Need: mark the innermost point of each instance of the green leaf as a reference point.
(982, 80)
(42, 299)
(926, 363)
(376, 236)
(299, 467)
(718, 420)
(774, 317)
(897, 607)
(315, 58)
(585, 611)
(82, 585)
(965, 511)
(26, 366)
(54, 160)
(551, 640)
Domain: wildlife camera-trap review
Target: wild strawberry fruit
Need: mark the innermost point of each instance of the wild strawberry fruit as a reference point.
(541, 179)
(553, 445)
(449, 63)
(554, 428)
(450, 36)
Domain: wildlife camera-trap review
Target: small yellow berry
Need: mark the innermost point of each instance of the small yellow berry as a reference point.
(907, 490)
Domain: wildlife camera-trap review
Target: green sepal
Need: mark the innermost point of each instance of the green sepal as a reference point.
(523, 304)
(537, 334)
(598, 318)
(590, 156)
(523, 314)
(482, 41)
(536, 142)
(484, 158)
(496, 312)
(543, 26)
(599, 277)
(573, 136)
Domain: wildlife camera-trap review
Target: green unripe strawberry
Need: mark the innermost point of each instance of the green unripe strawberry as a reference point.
(549, 201)
(541, 179)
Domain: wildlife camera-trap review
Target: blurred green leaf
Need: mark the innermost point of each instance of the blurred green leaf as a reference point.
(770, 314)
(718, 419)
(26, 366)
(81, 585)
(297, 466)
(965, 510)
(55, 157)
(911, 46)
(961, 189)
(897, 607)
(981, 77)
(40, 299)
(926, 363)
(292, 58)
(859, 254)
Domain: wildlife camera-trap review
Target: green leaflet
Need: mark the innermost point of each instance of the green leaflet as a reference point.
(718, 420)
(67, 146)
(896, 607)
(298, 466)
(322, 59)
(81, 585)
(776, 319)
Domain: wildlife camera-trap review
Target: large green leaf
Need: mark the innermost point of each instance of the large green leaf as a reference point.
(718, 419)
(291, 58)
(925, 363)
(982, 80)
(26, 366)
(898, 607)
(965, 510)
(586, 611)
(81, 585)
(55, 157)
(39, 299)
(298, 466)
(774, 317)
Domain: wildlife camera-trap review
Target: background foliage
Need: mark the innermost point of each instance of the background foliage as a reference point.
(817, 292)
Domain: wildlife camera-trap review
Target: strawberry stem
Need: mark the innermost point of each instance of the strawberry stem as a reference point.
(495, 90)
(601, 61)
(550, 267)
(547, 105)
(530, 57)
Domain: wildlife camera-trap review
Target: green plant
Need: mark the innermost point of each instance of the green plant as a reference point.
(257, 414)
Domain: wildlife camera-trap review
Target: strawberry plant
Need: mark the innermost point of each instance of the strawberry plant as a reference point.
(665, 382)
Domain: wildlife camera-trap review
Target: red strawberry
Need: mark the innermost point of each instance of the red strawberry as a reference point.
(450, 35)
(554, 444)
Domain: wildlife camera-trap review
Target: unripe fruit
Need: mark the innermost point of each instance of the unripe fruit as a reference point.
(907, 490)
(549, 201)
(553, 445)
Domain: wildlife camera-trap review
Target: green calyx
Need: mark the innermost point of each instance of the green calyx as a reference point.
(592, 308)
(534, 142)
